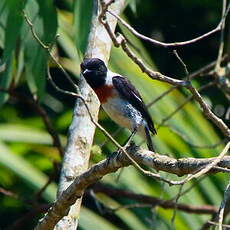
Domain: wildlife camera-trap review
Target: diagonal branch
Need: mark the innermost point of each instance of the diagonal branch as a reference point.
(208, 113)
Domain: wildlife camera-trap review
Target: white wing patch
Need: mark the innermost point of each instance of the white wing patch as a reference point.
(137, 97)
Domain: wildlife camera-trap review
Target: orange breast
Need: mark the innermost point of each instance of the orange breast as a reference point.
(104, 92)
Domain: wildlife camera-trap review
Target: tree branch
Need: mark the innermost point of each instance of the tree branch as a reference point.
(208, 113)
(153, 201)
(115, 161)
(173, 44)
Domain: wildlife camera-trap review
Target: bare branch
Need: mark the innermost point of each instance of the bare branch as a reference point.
(153, 201)
(205, 169)
(183, 104)
(217, 219)
(221, 47)
(173, 44)
(226, 226)
(195, 74)
(208, 113)
(8, 193)
(182, 63)
(222, 206)
(152, 74)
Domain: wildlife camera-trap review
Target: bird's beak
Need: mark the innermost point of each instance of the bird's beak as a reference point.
(85, 72)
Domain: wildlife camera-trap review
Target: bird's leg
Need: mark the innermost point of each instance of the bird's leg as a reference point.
(127, 143)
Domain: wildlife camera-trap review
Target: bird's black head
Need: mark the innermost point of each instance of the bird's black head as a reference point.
(94, 71)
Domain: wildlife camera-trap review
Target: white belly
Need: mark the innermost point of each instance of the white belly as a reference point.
(123, 113)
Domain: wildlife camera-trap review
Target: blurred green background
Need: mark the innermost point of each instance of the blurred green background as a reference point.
(27, 155)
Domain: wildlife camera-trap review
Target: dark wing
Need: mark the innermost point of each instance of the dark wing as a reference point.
(128, 91)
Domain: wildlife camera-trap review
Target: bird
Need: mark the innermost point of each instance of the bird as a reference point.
(119, 99)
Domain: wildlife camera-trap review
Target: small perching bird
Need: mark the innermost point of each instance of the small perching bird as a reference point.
(119, 98)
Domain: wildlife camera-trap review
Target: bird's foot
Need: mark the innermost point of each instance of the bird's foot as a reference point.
(128, 146)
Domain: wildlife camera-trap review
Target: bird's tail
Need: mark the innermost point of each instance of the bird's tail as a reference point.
(149, 140)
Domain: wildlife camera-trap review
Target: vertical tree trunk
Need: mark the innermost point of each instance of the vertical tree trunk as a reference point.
(81, 131)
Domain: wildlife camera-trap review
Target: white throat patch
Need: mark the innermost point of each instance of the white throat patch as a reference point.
(109, 77)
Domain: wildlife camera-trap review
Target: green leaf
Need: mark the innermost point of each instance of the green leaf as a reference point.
(44, 18)
(13, 26)
(90, 220)
(22, 133)
(3, 20)
(126, 215)
(5, 78)
(12, 30)
(133, 5)
(82, 23)
(48, 14)
(19, 64)
(26, 172)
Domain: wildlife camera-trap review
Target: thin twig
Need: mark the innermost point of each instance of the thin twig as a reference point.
(152, 74)
(226, 226)
(173, 44)
(195, 183)
(223, 205)
(183, 104)
(182, 63)
(207, 167)
(48, 48)
(177, 197)
(221, 46)
(38, 194)
(191, 76)
(208, 113)
(161, 96)
(103, 19)
(8, 193)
